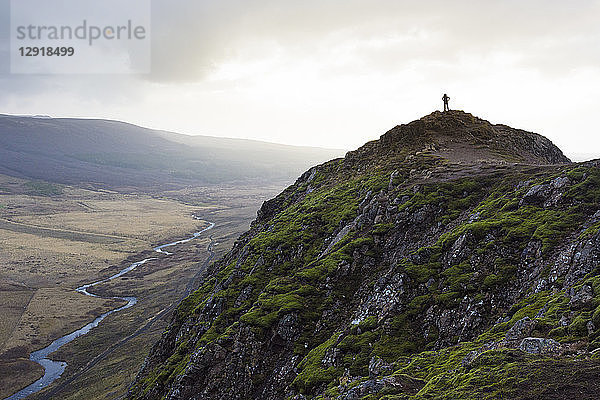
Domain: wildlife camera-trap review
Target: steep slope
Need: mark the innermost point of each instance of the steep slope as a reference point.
(112, 153)
(426, 265)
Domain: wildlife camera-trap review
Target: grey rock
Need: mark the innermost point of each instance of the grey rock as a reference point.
(474, 217)
(331, 358)
(560, 182)
(339, 236)
(244, 295)
(393, 176)
(535, 345)
(537, 195)
(590, 327)
(287, 328)
(430, 283)
(467, 361)
(532, 252)
(379, 367)
(582, 298)
(521, 329)
(363, 389)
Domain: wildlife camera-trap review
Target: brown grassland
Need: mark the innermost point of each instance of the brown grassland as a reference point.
(50, 243)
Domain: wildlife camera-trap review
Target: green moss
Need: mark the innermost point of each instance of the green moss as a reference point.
(422, 273)
(279, 298)
(312, 372)
(381, 229)
(596, 317)
(357, 351)
(293, 276)
(529, 306)
(576, 174)
(578, 327)
(368, 324)
(420, 303)
(459, 278)
(391, 348)
(449, 299)
(558, 333)
(587, 190)
(452, 197)
(492, 280)
(590, 231)
(317, 271)
(510, 374)
(173, 366)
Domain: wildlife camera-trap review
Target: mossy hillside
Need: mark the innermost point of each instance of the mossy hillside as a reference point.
(313, 373)
(434, 262)
(506, 374)
(501, 223)
(452, 198)
(494, 373)
(459, 280)
(279, 286)
(281, 268)
(502, 373)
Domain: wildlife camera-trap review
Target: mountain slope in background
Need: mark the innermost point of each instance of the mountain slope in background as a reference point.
(450, 259)
(117, 154)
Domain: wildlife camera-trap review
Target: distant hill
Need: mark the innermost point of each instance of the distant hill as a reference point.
(118, 154)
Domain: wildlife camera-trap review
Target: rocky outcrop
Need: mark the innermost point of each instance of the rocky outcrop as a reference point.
(458, 137)
(535, 345)
(405, 268)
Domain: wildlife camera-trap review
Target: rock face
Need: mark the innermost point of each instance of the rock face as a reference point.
(440, 261)
(539, 346)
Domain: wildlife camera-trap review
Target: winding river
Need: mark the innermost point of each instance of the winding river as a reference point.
(54, 369)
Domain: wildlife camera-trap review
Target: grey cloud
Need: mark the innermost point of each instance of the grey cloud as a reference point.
(192, 38)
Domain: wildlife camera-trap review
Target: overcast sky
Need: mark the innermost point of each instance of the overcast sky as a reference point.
(337, 73)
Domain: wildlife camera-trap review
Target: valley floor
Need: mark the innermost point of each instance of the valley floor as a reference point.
(54, 238)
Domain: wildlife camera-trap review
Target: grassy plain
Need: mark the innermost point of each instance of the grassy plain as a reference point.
(61, 237)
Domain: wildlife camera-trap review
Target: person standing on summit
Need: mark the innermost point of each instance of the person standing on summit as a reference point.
(446, 99)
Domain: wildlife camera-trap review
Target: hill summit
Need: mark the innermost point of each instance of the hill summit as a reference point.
(461, 137)
(450, 259)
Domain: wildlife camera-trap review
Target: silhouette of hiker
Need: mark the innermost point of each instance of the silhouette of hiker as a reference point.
(446, 99)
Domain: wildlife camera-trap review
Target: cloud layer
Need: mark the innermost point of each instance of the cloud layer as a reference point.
(339, 72)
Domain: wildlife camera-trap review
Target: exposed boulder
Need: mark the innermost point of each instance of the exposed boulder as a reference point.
(379, 367)
(521, 329)
(535, 345)
(582, 298)
(537, 195)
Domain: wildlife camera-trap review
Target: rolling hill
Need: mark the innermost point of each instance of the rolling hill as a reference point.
(116, 154)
